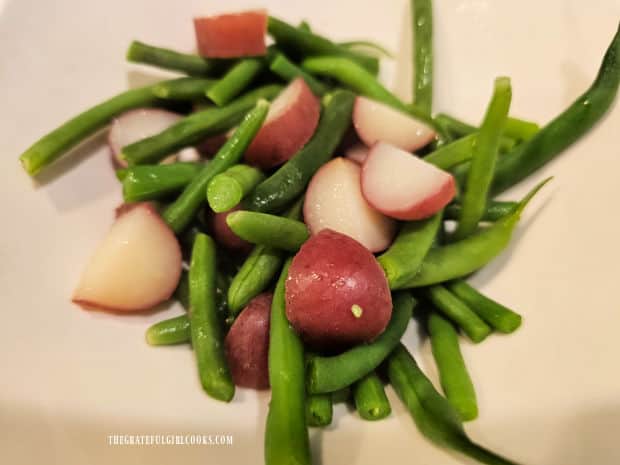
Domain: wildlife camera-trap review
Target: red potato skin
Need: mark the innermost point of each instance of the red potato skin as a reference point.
(247, 344)
(283, 136)
(225, 236)
(331, 273)
(211, 145)
(118, 212)
(232, 35)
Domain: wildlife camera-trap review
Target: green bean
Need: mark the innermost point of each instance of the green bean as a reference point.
(372, 47)
(226, 190)
(305, 26)
(371, 402)
(460, 151)
(194, 65)
(291, 179)
(319, 410)
(180, 213)
(406, 254)
(51, 146)
(194, 128)
(288, 71)
(270, 230)
(183, 89)
(514, 129)
(235, 81)
(305, 43)
(484, 158)
(495, 314)
(328, 374)
(422, 27)
(453, 375)
(463, 257)
(458, 311)
(495, 210)
(172, 331)
(152, 182)
(286, 434)
(341, 396)
(565, 128)
(361, 81)
(433, 415)
(207, 338)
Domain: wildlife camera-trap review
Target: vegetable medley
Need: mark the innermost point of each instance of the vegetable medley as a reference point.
(301, 213)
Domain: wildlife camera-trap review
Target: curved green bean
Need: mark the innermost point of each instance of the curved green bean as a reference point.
(406, 254)
(329, 374)
(286, 434)
(271, 230)
(480, 176)
(207, 338)
(565, 128)
(167, 332)
(495, 314)
(371, 402)
(422, 27)
(183, 88)
(319, 410)
(458, 311)
(194, 65)
(195, 127)
(470, 254)
(227, 189)
(288, 71)
(433, 415)
(291, 179)
(235, 81)
(455, 380)
(152, 182)
(495, 210)
(299, 41)
(180, 213)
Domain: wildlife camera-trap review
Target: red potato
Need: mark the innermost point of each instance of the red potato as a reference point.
(375, 121)
(134, 125)
(290, 123)
(210, 146)
(247, 344)
(334, 200)
(357, 153)
(404, 186)
(225, 236)
(232, 35)
(135, 267)
(336, 292)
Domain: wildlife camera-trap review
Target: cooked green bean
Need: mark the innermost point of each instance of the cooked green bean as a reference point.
(51, 146)
(305, 26)
(453, 375)
(328, 374)
(207, 338)
(271, 230)
(432, 414)
(460, 151)
(183, 89)
(180, 213)
(297, 41)
(181, 293)
(373, 47)
(288, 71)
(458, 311)
(515, 129)
(195, 127)
(235, 81)
(286, 434)
(319, 410)
(152, 182)
(480, 176)
(291, 179)
(406, 254)
(495, 210)
(371, 402)
(565, 128)
(193, 65)
(495, 314)
(226, 190)
(422, 27)
(461, 258)
(167, 332)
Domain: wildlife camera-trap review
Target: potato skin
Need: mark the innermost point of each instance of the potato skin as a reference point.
(247, 344)
(330, 275)
(225, 236)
